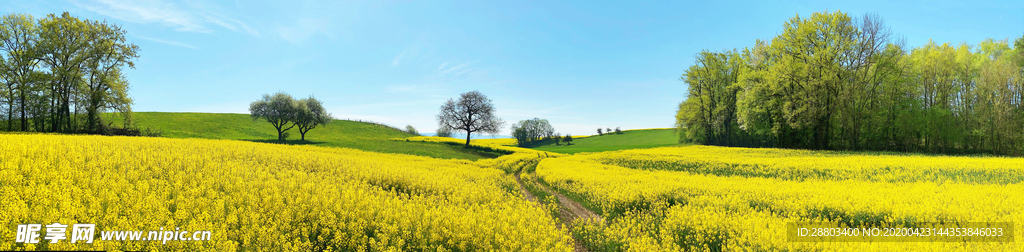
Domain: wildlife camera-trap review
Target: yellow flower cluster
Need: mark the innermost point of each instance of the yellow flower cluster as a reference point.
(820, 165)
(263, 197)
(520, 158)
(672, 203)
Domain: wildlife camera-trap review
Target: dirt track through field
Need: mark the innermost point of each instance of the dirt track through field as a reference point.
(569, 210)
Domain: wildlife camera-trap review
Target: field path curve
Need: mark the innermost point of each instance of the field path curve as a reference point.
(569, 210)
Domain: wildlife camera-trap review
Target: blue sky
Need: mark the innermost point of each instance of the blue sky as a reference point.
(581, 65)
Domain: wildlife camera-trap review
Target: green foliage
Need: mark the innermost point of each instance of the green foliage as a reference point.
(444, 132)
(629, 139)
(57, 63)
(280, 110)
(530, 131)
(833, 82)
(310, 113)
(412, 131)
(339, 133)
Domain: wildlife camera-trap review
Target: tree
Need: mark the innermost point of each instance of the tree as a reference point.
(530, 130)
(310, 113)
(558, 138)
(473, 112)
(279, 110)
(106, 86)
(409, 129)
(567, 139)
(599, 132)
(444, 132)
(18, 37)
(64, 46)
(617, 131)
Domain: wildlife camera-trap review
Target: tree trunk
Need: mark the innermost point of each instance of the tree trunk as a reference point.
(468, 134)
(23, 119)
(303, 133)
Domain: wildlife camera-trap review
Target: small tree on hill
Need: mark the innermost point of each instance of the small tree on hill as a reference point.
(558, 138)
(599, 132)
(473, 112)
(409, 129)
(617, 131)
(310, 113)
(608, 130)
(567, 139)
(279, 110)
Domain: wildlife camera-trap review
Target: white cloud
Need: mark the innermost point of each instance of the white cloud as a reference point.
(169, 42)
(191, 19)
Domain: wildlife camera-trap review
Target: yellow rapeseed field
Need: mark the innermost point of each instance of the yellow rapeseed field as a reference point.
(264, 197)
(708, 198)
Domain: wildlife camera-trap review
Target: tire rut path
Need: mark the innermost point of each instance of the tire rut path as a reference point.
(569, 210)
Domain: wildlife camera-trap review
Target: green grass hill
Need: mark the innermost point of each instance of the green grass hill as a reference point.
(338, 133)
(629, 139)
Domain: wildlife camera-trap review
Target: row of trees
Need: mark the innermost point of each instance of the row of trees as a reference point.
(532, 130)
(60, 73)
(830, 81)
(284, 113)
(608, 131)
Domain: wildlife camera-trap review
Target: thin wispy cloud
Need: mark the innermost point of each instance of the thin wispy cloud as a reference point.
(441, 67)
(231, 24)
(398, 59)
(453, 69)
(192, 18)
(169, 42)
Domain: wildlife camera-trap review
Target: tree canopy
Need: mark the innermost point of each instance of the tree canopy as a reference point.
(473, 112)
(530, 130)
(830, 81)
(60, 72)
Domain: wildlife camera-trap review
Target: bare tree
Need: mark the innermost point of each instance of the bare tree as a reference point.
(279, 110)
(472, 113)
(310, 113)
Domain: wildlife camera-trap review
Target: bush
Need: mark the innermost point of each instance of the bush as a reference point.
(444, 132)
(409, 129)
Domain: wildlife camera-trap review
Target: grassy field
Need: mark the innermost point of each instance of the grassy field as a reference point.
(630, 139)
(348, 134)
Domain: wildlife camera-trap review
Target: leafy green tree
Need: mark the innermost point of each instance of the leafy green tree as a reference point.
(19, 34)
(599, 132)
(709, 112)
(409, 129)
(310, 113)
(532, 130)
(106, 86)
(279, 110)
(567, 139)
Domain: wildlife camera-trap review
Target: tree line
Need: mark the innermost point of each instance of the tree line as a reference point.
(834, 82)
(60, 73)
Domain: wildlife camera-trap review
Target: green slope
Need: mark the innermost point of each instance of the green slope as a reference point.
(629, 139)
(338, 133)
